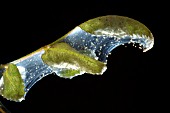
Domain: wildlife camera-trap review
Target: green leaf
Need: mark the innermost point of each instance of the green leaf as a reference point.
(63, 53)
(115, 23)
(13, 88)
(69, 73)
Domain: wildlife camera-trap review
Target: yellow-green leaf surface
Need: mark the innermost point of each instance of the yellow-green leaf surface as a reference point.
(69, 73)
(13, 88)
(62, 52)
(116, 23)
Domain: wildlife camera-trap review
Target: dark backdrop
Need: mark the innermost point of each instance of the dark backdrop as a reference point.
(128, 84)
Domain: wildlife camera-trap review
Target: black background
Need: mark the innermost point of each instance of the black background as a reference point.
(128, 85)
